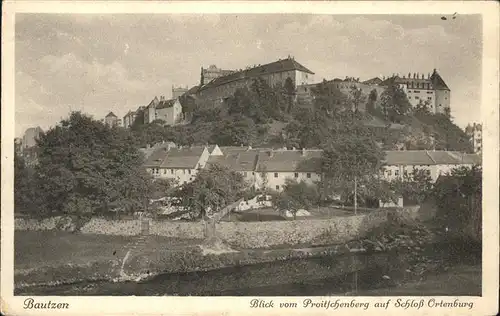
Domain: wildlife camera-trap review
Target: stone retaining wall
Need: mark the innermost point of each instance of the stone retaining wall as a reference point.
(241, 234)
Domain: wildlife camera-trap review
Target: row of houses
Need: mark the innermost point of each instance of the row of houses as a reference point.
(266, 167)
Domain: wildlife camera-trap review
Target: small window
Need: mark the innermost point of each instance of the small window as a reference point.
(184, 171)
(275, 174)
(296, 175)
(189, 171)
(396, 173)
(417, 98)
(171, 171)
(277, 187)
(389, 172)
(164, 171)
(409, 98)
(429, 98)
(245, 174)
(308, 175)
(428, 172)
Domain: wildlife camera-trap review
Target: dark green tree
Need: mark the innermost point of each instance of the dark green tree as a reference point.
(85, 166)
(295, 196)
(458, 197)
(289, 90)
(211, 191)
(350, 160)
(394, 103)
(414, 187)
(329, 99)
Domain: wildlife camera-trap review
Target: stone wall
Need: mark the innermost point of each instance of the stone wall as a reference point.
(176, 229)
(112, 227)
(306, 231)
(335, 230)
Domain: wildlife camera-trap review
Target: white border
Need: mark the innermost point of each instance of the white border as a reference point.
(485, 305)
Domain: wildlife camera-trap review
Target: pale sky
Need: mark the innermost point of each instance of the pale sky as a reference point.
(118, 62)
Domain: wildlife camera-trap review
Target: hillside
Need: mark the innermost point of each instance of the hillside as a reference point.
(264, 116)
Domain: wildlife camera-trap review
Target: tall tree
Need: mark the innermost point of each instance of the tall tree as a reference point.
(289, 90)
(414, 187)
(329, 99)
(295, 196)
(211, 190)
(394, 103)
(85, 166)
(350, 160)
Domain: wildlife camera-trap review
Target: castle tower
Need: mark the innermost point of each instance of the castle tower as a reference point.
(442, 92)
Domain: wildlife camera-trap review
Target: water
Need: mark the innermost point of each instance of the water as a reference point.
(345, 275)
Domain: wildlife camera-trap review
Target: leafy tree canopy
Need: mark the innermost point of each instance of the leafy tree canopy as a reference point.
(211, 191)
(85, 166)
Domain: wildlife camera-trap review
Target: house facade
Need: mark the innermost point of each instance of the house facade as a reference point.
(276, 73)
(180, 164)
(169, 111)
(419, 88)
(30, 137)
(399, 164)
(475, 133)
(271, 168)
(112, 120)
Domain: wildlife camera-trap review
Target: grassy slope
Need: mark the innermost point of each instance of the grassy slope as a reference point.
(35, 249)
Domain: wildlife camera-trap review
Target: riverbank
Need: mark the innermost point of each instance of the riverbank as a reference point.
(44, 256)
(350, 275)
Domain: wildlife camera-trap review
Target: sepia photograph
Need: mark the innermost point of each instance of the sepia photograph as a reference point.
(249, 155)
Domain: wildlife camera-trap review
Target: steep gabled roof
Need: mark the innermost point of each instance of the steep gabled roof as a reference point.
(438, 82)
(111, 114)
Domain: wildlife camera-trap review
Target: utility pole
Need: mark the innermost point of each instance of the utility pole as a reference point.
(355, 195)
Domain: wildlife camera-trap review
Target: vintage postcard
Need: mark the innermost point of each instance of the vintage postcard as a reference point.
(244, 158)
